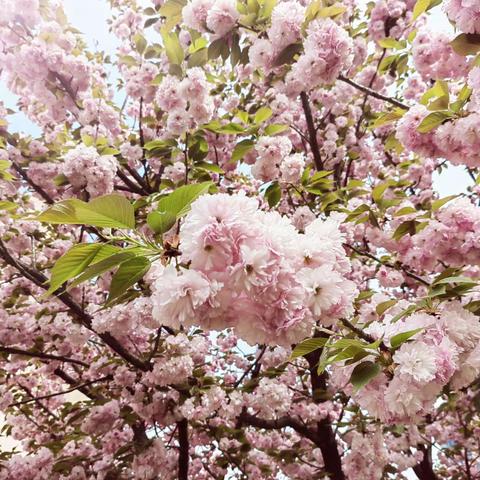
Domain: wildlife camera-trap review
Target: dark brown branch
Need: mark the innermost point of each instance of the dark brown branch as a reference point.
(71, 381)
(67, 86)
(373, 93)
(386, 264)
(38, 402)
(37, 188)
(44, 356)
(282, 422)
(362, 334)
(326, 436)
(254, 367)
(85, 319)
(133, 188)
(424, 469)
(63, 392)
(312, 133)
(183, 455)
(21, 171)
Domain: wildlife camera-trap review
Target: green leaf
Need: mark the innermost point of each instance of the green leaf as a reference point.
(111, 211)
(287, 54)
(273, 194)
(404, 228)
(262, 114)
(7, 205)
(433, 120)
(438, 91)
(384, 306)
(437, 204)
(215, 48)
(400, 338)
(241, 149)
(266, 9)
(209, 167)
(307, 346)
(198, 44)
(379, 190)
(98, 268)
(332, 11)
(72, 263)
(178, 202)
(420, 7)
(405, 211)
(466, 44)
(172, 11)
(363, 373)
(388, 117)
(127, 275)
(140, 43)
(161, 222)
(391, 43)
(173, 48)
(275, 128)
(458, 279)
(198, 58)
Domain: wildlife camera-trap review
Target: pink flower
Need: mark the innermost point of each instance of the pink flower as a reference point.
(465, 13)
(195, 14)
(416, 360)
(177, 296)
(222, 16)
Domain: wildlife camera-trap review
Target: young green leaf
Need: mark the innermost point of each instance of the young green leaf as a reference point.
(178, 202)
(161, 222)
(433, 120)
(363, 373)
(273, 194)
(129, 273)
(111, 211)
(72, 263)
(241, 149)
(466, 44)
(262, 114)
(400, 338)
(307, 346)
(99, 267)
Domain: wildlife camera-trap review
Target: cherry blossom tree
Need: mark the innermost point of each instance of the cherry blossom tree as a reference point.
(227, 242)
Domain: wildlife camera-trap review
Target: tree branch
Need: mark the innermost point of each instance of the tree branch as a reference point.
(327, 441)
(424, 470)
(45, 356)
(246, 418)
(373, 93)
(56, 394)
(312, 134)
(85, 319)
(389, 265)
(183, 455)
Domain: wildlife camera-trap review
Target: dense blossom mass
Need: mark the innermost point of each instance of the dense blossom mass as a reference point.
(223, 250)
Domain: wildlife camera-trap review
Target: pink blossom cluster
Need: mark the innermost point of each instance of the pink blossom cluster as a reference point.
(456, 140)
(452, 238)
(215, 16)
(388, 18)
(465, 14)
(444, 351)
(328, 51)
(32, 64)
(252, 271)
(86, 168)
(187, 103)
(273, 156)
(435, 59)
(285, 29)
